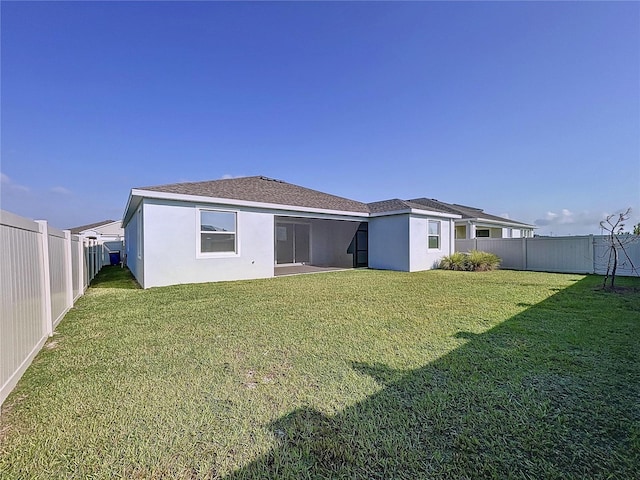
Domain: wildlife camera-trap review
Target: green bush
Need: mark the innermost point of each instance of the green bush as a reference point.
(474, 261)
(456, 261)
(483, 261)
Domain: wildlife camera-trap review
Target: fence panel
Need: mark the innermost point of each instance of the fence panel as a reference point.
(579, 254)
(465, 245)
(560, 254)
(58, 272)
(22, 327)
(626, 266)
(510, 251)
(76, 252)
(43, 270)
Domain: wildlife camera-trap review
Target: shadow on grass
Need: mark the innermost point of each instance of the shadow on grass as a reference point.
(112, 276)
(550, 393)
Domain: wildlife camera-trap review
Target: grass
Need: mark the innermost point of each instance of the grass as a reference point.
(356, 374)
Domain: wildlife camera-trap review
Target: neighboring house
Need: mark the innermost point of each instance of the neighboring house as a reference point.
(109, 234)
(475, 223)
(106, 231)
(245, 228)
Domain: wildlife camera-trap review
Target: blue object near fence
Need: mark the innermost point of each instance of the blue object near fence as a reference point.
(114, 258)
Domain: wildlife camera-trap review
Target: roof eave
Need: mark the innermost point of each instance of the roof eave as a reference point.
(499, 222)
(415, 211)
(132, 205)
(235, 202)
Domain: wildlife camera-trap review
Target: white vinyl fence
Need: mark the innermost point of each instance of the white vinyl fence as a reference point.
(43, 271)
(586, 254)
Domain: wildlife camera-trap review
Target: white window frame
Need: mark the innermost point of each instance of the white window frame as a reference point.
(199, 252)
(438, 236)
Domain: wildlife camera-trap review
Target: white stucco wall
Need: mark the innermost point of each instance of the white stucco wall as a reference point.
(134, 256)
(400, 242)
(421, 257)
(170, 252)
(110, 229)
(389, 242)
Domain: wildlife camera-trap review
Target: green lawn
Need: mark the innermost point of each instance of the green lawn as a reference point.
(355, 374)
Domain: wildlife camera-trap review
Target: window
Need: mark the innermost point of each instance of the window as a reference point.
(433, 241)
(484, 233)
(217, 231)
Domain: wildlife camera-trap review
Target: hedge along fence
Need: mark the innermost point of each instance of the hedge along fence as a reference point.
(43, 271)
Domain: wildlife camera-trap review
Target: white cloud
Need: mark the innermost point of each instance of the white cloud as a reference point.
(565, 217)
(227, 176)
(567, 222)
(60, 190)
(9, 184)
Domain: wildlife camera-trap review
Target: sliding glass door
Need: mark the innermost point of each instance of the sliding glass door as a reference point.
(292, 243)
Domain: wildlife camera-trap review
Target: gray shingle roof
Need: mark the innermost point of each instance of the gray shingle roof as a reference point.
(465, 211)
(264, 190)
(91, 226)
(396, 204)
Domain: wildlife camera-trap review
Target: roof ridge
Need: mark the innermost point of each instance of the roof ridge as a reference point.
(260, 188)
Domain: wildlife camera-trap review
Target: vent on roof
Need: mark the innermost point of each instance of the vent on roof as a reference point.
(261, 177)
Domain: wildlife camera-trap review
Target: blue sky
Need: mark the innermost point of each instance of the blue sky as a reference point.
(525, 109)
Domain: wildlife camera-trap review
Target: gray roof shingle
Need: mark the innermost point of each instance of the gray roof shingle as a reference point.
(465, 211)
(264, 190)
(91, 226)
(396, 204)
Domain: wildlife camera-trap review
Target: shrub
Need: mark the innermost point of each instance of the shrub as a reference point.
(456, 261)
(474, 261)
(483, 261)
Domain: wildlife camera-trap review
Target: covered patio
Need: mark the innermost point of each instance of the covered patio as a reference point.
(311, 245)
(281, 271)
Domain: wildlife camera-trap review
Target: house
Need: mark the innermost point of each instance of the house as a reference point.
(252, 227)
(107, 230)
(109, 234)
(475, 223)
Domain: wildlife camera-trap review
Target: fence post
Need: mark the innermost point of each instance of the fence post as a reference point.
(68, 267)
(592, 250)
(45, 280)
(524, 253)
(92, 262)
(80, 254)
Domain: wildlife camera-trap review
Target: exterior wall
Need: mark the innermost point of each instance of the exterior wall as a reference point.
(133, 246)
(169, 250)
(330, 241)
(389, 242)
(467, 230)
(421, 257)
(110, 229)
(515, 233)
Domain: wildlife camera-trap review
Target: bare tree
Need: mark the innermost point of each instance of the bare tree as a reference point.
(617, 242)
